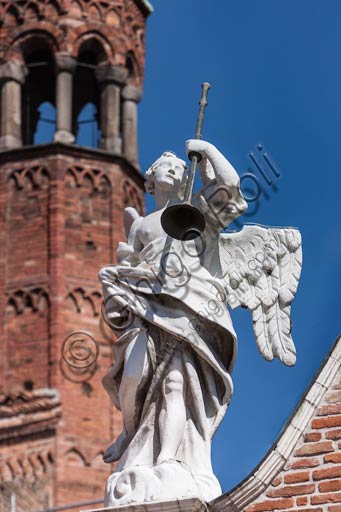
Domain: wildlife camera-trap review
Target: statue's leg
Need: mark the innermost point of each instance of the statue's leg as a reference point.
(172, 418)
(134, 373)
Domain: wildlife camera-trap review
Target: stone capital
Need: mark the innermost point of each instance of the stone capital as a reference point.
(65, 62)
(13, 70)
(132, 93)
(113, 74)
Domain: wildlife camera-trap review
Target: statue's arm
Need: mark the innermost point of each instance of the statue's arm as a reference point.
(224, 172)
(215, 166)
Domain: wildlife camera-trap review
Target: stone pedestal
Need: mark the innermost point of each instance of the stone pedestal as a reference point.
(187, 505)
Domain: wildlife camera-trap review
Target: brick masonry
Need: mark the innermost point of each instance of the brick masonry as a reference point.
(302, 472)
(65, 25)
(61, 220)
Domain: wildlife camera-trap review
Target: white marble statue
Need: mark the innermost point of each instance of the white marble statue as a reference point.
(168, 301)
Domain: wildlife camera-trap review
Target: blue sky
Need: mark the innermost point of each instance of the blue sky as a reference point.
(276, 80)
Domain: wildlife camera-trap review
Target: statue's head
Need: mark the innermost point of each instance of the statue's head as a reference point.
(166, 173)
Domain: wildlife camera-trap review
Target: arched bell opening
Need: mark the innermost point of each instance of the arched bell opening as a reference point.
(46, 125)
(88, 133)
(86, 96)
(38, 104)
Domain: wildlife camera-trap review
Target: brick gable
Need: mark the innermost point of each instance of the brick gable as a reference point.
(302, 471)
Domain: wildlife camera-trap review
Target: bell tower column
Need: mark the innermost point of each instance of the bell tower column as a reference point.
(131, 95)
(12, 76)
(111, 80)
(65, 68)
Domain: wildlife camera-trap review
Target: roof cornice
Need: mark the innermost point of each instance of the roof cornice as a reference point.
(25, 414)
(72, 150)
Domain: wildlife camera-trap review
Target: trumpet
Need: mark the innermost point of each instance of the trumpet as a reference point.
(183, 221)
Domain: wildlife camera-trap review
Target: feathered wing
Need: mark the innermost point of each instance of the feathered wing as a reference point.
(261, 271)
(125, 251)
(130, 214)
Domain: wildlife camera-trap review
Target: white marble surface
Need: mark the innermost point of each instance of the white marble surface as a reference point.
(167, 299)
(187, 505)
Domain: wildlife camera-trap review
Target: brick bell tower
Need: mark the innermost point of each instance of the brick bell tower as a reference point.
(62, 197)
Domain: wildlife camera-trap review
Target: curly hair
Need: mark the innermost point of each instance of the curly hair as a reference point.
(149, 183)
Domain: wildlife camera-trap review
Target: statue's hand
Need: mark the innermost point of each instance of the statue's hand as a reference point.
(198, 146)
(124, 253)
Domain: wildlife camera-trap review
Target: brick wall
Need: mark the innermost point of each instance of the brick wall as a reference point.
(28, 422)
(66, 25)
(302, 471)
(311, 479)
(55, 243)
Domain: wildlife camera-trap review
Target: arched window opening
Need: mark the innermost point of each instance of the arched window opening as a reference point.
(88, 133)
(86, 99)
(46, 125)
(38, 91)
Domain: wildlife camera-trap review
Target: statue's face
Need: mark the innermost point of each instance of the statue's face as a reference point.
(168, 173)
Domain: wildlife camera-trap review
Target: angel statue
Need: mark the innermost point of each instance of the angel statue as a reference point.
(167, 300)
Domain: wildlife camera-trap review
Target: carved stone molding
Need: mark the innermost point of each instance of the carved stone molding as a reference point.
(84, 456)
(29, 413)
(113, 74)
(97, 177)
(20, 11)
(26, 467)
(79, 298)
(65, 62)
(34, 298)
(132, 93)
(12, 70)
(35, 177)
(119, 28)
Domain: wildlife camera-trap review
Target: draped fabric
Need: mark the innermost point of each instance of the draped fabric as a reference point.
(171, 306)
(174, 306)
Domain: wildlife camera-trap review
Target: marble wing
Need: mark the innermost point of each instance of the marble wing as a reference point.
(261, 270)
(130, 214)
(125, 251)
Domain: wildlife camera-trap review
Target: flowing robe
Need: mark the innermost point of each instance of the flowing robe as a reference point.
(174, 298)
